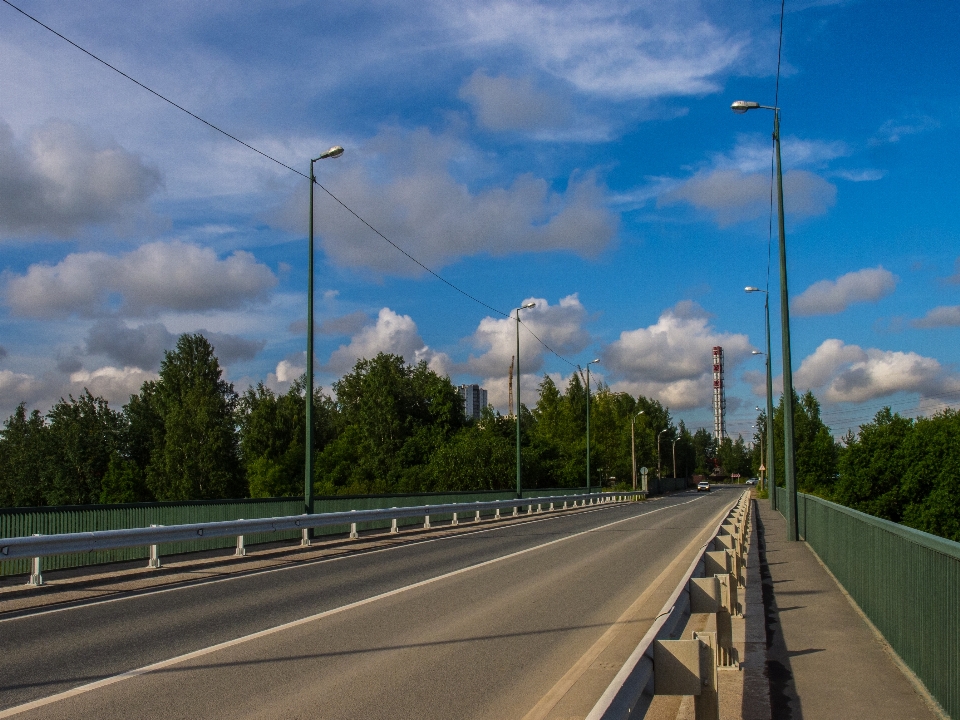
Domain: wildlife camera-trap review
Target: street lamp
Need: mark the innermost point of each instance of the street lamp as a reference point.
(592, 362)
(334, 152)
(771, 480)
(526, 306)
(659, 474)
(633, 447)
(675, 458)
(789, 459)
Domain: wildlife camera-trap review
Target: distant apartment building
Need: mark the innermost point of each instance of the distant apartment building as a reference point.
(474, 399)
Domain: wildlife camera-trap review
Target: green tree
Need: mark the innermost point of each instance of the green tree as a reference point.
(24, 451)
(83, 435)
(704, 451)
(272, 433)
(390, 420)
(872, 465)
(734, 457)
(195, 453)
(815, 451)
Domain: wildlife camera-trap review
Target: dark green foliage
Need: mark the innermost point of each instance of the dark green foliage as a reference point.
(24, 459)
(83, 435)
(391, 418)
(733, 457)
(704, 451)
(815, 450)
(906, 471)
(195, 453)
(272, 436)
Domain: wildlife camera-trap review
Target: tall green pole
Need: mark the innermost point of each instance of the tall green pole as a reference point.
(519, 491)
(588, 428)
(789, 459)
(334, 152)
(308, 449)
(771, 478)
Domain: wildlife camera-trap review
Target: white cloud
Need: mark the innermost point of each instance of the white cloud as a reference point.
(733, 197)
(829, 297)
(867, 175)
(406, 189)
(646, 51)
(559, 326)
(391, 333)
(43, 391)
(671, 360)
(849, 373)
(506, 103)
(893, 131)
(287, 371)
(64, 180)
(754, 154)
(113, 383)
(943, 316)
(19, 387)
(154, 277)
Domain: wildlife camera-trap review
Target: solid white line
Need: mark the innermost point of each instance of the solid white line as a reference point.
(187, 584)
(82, 689)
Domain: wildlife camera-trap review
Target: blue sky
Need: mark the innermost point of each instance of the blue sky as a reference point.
(580, 155)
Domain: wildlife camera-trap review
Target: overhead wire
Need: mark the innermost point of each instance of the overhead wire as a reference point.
(247, 145)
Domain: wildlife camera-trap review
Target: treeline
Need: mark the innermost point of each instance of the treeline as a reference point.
(900, 469)
(393, 428)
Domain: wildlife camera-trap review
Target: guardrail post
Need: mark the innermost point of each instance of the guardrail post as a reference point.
(454, 521)
(305, 538)
(477, 518)
(353, 531)
(539, 508)
(497, 515)
(36, 576)
(393, 526)
(550, 509)
(529, 509)
(516, 511)
(426, 522)
(707, 704)
(564, 504)
(241, 549)
(688, 667)
(154, 555)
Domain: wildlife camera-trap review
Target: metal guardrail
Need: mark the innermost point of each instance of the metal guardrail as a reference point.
(907, 582)
(39, 546)
(55, 520)
(637, 678)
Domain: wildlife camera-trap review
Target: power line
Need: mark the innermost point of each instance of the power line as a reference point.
(284, 165)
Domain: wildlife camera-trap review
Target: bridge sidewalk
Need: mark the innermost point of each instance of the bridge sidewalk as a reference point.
(823, 659)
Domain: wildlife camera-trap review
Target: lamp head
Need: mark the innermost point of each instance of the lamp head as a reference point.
(756, 352)
(592, 362)
(750, 288)
(334, 152)
(528, 306)
(741, 106)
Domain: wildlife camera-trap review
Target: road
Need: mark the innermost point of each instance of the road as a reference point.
(479, 624)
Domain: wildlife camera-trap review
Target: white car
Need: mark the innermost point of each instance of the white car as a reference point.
(703, 485)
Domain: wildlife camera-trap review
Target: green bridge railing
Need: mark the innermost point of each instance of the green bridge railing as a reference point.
(18, 522)
(906, 581)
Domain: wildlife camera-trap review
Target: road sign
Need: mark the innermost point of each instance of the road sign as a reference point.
(643, 471)
(762, 469)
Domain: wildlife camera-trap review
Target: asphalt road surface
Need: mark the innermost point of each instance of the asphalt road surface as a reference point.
(477, 624)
